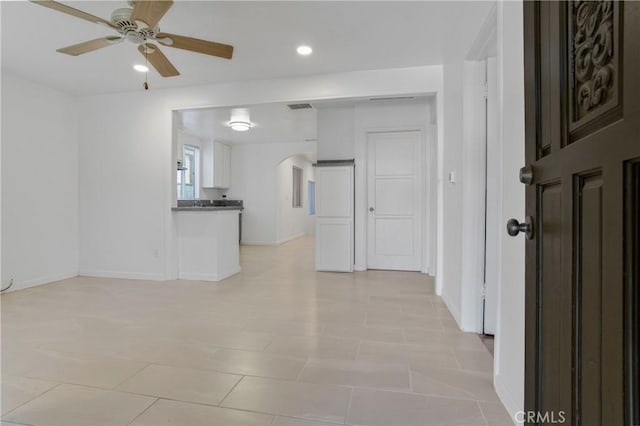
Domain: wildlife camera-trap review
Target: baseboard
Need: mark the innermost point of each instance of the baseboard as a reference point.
(359, 268)
(293, 237)
(506, 397)
(122, 275)
(40, 281)
(257, 243)
(230, 273)
(452, 309)
(207, 277)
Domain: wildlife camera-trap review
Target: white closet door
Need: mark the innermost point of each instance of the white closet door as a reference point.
(394, 180)
(334, 218)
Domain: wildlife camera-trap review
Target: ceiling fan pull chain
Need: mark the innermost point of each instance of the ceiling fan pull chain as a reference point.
(146, 63)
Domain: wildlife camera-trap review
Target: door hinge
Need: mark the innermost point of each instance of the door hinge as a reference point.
(485, 91)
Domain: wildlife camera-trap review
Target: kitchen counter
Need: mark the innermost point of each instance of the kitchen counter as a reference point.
(205, 208)
(208, 247)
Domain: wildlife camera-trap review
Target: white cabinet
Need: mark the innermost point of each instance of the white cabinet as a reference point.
(208, 248)
(334, 218)
(216, 165)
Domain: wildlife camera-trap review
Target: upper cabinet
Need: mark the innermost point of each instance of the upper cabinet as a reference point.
(216, 165)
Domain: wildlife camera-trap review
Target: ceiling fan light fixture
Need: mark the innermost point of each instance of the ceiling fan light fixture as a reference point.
(141, 68)
(240, 126)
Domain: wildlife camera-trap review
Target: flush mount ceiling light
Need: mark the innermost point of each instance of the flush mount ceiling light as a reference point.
(240, 121)
(240, 126)
(140, 68)
(304, 50)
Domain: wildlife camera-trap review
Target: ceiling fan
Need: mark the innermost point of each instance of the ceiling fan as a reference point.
(139, 25)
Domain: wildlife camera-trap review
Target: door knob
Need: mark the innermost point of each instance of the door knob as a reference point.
(514, 227)
(526, 175)
(371, 209)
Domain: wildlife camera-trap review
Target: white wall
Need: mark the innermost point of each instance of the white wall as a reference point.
(127, 167)
(254, 180)
(342, 133)
(39, 183)
(336, 133)
(450, 275)
(293, 222)
(509, 345)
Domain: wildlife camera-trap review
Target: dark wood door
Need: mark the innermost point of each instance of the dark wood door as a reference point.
(582, 91)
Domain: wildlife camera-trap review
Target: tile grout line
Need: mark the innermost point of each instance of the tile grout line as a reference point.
(358, 350)
(482, 412)
(297, 379)
(346, 414)
(130, 377)
(219, 404)
(57, 384)
(143, 411)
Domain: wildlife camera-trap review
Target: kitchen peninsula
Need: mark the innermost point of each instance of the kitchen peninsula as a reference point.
(207, 234)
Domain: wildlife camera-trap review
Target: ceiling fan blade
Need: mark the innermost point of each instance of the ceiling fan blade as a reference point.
(150, 12)
(90, 46)
(73, 12)
(195, 45)
(158, 60)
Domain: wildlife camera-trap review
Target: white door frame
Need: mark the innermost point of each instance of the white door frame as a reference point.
(428, 194)
(473, 210)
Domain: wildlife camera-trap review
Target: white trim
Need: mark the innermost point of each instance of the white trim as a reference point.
(506, 397)
(293, 237)
(207, 277)
(258, 243)
(40, 281)
(440, 191)
(485, 43)
(452, 308)
(474, 162)
(473, 194)
(121, 275)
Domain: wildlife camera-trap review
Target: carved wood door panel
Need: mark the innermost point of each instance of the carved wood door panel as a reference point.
(582, 94)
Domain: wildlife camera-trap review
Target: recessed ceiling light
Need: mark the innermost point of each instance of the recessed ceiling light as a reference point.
(304, 50)
(240, 126)
(140, 68)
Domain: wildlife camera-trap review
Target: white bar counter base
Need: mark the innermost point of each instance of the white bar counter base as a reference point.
(208, 246)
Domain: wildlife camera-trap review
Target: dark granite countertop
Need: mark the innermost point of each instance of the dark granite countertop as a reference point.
(205, 208)
(207, 205)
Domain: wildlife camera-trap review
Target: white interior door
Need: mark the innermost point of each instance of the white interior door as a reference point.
(493, 221)
(394, 179)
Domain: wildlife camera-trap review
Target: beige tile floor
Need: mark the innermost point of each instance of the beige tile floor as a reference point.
(277, 344)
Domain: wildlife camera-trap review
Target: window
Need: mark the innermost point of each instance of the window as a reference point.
(297, 187)
(189, 177)
(311, 193)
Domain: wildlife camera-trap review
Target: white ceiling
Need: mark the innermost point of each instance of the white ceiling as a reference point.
(272, 123)
(345, 36)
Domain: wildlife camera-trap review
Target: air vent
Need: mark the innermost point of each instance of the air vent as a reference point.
(397, 98)
(294, 107)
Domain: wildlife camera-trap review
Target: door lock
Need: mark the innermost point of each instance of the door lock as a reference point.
(514, 227)
(371, 209)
